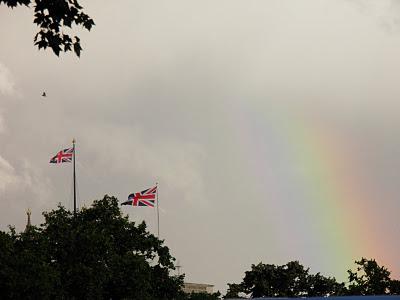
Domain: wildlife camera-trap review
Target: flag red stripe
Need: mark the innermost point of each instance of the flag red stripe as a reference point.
(150, 197)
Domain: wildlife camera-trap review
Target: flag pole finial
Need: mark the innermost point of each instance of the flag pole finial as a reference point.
(73, 141)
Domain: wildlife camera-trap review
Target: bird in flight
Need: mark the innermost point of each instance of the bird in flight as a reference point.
(44, 94)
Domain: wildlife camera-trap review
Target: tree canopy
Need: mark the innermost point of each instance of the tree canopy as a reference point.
(289, 280)
(53, 18)
(294, 280)
(371, 279)
(99, 254)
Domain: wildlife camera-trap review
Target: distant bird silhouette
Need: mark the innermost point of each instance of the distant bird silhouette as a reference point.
(44, 94)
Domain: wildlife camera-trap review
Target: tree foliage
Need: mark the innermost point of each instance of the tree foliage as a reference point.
(394, 287)
(99, 254)
(53, 17)
(370, 279)
(289, 280)
(234, 291)
(293, 280)
(321, 286)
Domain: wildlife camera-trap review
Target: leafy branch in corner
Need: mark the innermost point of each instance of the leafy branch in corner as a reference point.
(52, 17)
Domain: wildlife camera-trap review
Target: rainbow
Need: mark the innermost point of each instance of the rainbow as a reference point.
(321, 188)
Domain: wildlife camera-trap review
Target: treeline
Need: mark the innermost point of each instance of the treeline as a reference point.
(294, 280)
(99, 254)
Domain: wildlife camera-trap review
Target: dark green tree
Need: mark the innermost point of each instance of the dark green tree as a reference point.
(369, 278)
(321, 286)
(266, 280)
(394, 287)
(99, 254)
(289, 280)
(25, 271)
(53, 17)
(234, 290)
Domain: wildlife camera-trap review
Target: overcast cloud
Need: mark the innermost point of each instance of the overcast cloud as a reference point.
(207, 98)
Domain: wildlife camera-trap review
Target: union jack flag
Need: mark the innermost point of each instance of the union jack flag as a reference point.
(143, 198)
(63, 156)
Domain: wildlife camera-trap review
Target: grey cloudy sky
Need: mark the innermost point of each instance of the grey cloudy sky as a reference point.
(271, 126)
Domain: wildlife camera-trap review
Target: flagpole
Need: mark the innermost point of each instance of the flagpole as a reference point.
(73, 147)
(158, 214)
